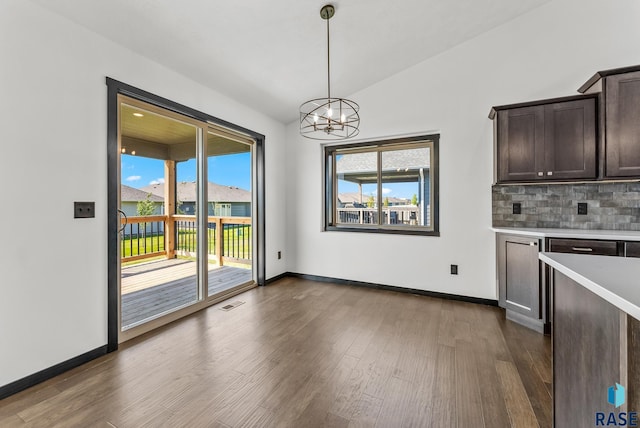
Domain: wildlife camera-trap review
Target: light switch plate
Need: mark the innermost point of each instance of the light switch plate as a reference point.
(84, 209)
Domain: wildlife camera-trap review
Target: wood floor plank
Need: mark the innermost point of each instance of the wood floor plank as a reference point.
(494, 407)
(442, 410)
(520, 340)
(366, 412)
(301, 353)
(13, 421)
(258, 418)
(520, 411)
(323, 397)
(395, 403)
(11, 406)
(469, 410)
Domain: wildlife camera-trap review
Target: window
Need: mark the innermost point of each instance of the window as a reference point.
(223, 210)
(388, 186)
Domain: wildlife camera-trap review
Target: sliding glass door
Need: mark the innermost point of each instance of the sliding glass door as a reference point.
(186, 203)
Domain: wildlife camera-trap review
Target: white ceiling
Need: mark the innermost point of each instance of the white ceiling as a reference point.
(271, 55)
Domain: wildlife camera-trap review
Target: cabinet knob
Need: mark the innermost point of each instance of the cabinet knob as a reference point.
(549, 173)
(540, 174)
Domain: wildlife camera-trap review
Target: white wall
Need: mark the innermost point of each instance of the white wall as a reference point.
(546, 53)
(53, 269)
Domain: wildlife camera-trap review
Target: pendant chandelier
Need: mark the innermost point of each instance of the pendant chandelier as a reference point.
(329, 118)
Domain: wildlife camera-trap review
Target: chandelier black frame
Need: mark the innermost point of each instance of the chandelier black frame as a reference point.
(329, 118)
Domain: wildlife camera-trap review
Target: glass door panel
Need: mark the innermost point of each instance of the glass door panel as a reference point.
(159, 256)
(229, 202)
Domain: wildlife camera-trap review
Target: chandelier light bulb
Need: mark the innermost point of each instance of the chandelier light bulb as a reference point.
(315, 118)
(343, 118)
(329, 112)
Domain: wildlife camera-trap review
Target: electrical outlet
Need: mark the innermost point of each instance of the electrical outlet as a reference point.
(279, 255)
(454, 269)
(84, 209)
(517, 208)
(582, 208)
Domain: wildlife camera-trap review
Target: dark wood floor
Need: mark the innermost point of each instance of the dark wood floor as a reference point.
(306, 354)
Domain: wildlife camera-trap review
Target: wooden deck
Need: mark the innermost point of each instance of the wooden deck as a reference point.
(152, 288)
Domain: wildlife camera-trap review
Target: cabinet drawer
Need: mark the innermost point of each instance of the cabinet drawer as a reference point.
(632, 249)
(584, 246)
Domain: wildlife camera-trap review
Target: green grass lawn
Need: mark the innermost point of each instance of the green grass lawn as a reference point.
(237, 243)
(136, 246)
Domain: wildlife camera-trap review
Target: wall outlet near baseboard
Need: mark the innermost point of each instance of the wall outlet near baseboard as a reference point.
(454, 269)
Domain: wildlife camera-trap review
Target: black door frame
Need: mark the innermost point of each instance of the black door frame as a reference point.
(114, 89)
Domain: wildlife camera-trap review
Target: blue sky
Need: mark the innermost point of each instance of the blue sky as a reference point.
(228, 170)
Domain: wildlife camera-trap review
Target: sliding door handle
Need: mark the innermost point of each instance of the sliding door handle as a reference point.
(122, 214)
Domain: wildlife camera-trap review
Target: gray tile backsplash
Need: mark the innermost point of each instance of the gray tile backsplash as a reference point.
(611, 206)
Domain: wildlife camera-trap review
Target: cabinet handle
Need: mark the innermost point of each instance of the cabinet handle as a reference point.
(540, 174)
(583, 249)
(550, 173)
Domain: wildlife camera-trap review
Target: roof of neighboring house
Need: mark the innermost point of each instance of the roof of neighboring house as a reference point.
(354, 197)
(186, 192)
(391, 160)
(130, 194)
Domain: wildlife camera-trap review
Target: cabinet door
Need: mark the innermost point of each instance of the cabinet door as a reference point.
(570, 140)
(632, 249)
(521, 144)
(622, 104)
(519, 275)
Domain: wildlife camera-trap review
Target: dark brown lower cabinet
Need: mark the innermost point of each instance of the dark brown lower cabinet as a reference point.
(595, 345)
(632, 249)
(520, 285)
(524, 281)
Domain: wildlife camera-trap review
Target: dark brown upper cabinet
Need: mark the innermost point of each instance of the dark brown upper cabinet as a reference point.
(619, 121)
(546, 140)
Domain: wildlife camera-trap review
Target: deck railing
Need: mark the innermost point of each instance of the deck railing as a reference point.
(142, 237)
(392, 215)
(229, 238)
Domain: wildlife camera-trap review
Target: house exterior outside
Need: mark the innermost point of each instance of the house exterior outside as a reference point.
(352, 200)
(130, 196)
(224, 201)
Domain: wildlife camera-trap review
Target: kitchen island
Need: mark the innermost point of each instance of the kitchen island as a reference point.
(595, 309)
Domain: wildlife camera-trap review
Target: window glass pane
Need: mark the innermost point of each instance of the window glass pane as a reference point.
(406, 187)
(357, 184)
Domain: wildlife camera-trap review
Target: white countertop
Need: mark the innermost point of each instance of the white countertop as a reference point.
(615, 279)
(615, 235)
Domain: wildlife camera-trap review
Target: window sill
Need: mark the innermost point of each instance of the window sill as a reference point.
(391, 231)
